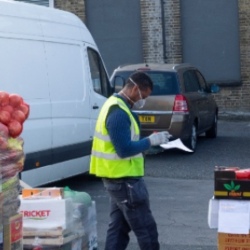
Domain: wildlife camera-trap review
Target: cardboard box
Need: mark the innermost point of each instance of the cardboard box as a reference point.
(233, 241)
(213, 213)
(226, 186)
(13, 233)
(34, 193)
(46, 213)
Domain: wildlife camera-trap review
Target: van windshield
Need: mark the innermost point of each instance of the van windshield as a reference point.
(165, 83)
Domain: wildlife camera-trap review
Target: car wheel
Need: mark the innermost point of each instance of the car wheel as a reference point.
(192, 140)
(212, 132)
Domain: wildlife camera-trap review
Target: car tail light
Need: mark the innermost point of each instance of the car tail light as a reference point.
(180, 104)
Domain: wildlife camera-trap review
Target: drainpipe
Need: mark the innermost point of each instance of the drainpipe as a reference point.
(163, 32)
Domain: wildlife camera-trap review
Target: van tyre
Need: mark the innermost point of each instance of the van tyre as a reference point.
(212, 132)
(191, 142)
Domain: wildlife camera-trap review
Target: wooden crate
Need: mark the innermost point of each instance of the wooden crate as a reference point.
(55, 237)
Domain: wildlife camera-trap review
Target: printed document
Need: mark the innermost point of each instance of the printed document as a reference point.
(176, 144)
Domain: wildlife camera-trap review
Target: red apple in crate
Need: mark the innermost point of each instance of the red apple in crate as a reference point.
(4, 98)
(24, 107)
(15, 100)
(15, 128)
(4, 117)
(18, 115)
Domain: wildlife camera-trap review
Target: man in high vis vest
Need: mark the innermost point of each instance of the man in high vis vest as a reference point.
(117, 158)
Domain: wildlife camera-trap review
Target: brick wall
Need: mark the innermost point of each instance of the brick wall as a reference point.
(229, 98)
(153, 27)
(75, 6)
(152, 31)
(172, 31)
(238, 98)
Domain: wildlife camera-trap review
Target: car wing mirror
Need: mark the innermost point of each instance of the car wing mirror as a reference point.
(214, 88)
(119, 83)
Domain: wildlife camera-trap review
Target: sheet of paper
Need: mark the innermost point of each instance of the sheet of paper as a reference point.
(176, 144)
(233, 217)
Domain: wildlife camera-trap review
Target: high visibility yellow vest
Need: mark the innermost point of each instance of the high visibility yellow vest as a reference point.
(104, 160)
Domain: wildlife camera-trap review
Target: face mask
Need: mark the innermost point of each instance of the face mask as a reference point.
(140, 103)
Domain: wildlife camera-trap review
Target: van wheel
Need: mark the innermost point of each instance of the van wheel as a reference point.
(192, 140)
(212, 132)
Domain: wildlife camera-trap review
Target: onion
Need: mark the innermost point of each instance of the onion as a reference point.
(4, 117)
(15, 100)
(15, 128)
(18, 115)
(4, 98)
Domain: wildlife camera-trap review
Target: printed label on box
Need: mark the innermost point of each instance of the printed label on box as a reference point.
(16, 226)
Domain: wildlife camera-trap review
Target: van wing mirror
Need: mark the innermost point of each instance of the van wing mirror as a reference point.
(214, 88)
(119, 83)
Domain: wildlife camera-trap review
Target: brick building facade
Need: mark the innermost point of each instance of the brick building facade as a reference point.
(162, 43)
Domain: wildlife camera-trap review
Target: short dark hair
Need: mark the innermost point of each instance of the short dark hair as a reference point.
(141, 79)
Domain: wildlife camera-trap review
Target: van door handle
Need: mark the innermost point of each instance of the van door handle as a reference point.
(95, 107)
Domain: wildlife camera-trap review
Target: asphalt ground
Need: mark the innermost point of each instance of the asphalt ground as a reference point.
(180, 186)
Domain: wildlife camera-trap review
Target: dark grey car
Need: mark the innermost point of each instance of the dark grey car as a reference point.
(181, 102)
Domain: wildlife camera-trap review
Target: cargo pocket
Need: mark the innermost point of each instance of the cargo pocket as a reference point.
(137, 192)
(114, 190)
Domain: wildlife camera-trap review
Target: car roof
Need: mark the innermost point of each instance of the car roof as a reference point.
(154, 66)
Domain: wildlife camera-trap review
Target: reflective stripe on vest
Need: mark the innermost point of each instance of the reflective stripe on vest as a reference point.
(104, 160)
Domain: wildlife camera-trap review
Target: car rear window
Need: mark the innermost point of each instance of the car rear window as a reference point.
(165, 83)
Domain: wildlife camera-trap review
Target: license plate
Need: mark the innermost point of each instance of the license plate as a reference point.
(147, 118)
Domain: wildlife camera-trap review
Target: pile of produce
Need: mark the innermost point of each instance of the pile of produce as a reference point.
(13, 113)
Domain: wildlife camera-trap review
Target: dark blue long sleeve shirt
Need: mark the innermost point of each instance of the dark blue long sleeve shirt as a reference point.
(118, 125)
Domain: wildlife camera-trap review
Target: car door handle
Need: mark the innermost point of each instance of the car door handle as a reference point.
(95, 107)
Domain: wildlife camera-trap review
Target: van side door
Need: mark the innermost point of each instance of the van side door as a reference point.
(70, 105)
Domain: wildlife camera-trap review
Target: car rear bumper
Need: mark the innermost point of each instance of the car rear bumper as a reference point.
(180, 127)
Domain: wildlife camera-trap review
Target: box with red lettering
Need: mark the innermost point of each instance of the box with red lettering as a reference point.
(13, 233)
(51, 213)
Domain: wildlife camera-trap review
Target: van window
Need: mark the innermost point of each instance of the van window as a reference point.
(98, 74)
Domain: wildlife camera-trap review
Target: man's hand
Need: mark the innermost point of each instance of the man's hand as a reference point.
(159, 138)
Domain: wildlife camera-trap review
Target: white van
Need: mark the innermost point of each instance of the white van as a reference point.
(49, 57)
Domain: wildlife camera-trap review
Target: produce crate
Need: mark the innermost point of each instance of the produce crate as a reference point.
(227, 186)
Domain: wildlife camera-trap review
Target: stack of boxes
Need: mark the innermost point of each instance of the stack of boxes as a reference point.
(14, 112)
(229, 209)
(52, 220)
(11, 163)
